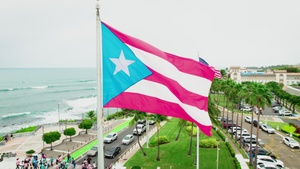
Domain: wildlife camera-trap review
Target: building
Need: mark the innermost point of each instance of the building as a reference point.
(240, 75)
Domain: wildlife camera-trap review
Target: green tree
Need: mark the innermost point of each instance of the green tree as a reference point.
(70, 132)
(260, 97)
(137, 115)
(181, 124)
(158, 119)
(86, 124)
(91, 115)
(51, 137)
(223, 73)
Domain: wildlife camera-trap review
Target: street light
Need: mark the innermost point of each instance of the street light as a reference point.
(218, 157)
(58, 117)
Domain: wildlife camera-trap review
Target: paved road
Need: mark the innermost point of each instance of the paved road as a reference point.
(273, 142)
(118, 142)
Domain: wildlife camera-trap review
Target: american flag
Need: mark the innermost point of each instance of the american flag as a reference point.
(217, 72)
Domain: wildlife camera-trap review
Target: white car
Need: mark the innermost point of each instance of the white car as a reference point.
(267, 128)
(291, 142)
(244, 134)
(285, 113)
(139, 129)
(248, 119)
(246, 109)
(269, 160)
(110, 138)
(128, 139)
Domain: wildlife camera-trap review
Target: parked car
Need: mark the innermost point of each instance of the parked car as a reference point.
(271, 160)
(110, 138)
(129, 138)
(247, 146)
(291, 142)
(234, 129)
(262, 151)
(230, 124)
(222, 119)
(112, 152)
(266, 166)
(285, 113)
(93, 151)
(139, 129)
(255, 123)
(248, 119)
(244, 134)
(267, 129)
(246, 109)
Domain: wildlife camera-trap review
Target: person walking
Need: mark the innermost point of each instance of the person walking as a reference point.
(51, 161)
(74, 163)
(17, 163)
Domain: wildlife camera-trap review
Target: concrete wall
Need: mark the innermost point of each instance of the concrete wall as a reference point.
(292, 90)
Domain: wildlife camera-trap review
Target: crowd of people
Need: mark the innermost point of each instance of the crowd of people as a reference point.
(44, 163)
(87, 164)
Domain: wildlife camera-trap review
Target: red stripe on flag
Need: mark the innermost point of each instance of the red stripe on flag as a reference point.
(149, 104)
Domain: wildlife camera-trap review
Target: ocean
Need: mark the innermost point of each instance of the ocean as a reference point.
(36, 96)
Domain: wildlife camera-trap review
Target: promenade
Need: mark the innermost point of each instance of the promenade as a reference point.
(20, 145)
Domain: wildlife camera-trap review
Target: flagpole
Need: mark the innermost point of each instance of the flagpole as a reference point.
(197, 162)
(100, 158)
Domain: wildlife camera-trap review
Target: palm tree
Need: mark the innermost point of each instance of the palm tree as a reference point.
(243, 92)
(260, 96)
(191, 141)
(263, 97)
(181, 124)
(91, 114)
(137, 115)
(158, 119)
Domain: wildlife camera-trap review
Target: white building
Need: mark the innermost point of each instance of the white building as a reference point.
(240, 75)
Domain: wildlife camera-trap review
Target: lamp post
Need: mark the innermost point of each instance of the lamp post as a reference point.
(218, 157)
(58, 118)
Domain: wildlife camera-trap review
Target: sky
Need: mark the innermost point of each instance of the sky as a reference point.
(56, 33)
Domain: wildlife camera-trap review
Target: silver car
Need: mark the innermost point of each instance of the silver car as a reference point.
(129, 138)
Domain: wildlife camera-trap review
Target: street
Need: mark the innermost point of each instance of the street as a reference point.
(273, 142)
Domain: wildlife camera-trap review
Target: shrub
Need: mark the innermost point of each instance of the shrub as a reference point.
(189, 129)
(209, 143)
(27, 129)
(237, 163)
(221, 135)
(288, 129)
(1, 138)
(30, 152)
(136, 167)
(162, 140)
(230, 149)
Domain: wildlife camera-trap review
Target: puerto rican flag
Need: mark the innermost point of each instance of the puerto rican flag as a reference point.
(138, 76)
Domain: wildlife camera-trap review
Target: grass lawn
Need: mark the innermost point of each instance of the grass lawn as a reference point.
(275, 124)
(175, 153)
(27, 129)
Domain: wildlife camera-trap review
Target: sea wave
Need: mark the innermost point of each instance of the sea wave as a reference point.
(73, 90)
(83, 81)
(11, 115)
(24, 88)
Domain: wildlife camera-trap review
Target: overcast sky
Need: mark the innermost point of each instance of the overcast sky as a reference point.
(61, 33)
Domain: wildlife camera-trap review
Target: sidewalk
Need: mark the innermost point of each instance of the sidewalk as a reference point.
(20, 145)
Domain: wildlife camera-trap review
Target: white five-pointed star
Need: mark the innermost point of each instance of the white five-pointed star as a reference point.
(122, 64)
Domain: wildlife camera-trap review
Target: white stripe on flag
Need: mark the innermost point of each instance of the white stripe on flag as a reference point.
(162, 92)
(195, 84)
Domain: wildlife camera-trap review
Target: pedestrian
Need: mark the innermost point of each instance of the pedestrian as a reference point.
(22, 165)
(17, 163)
(94, 165)
(11, 136)
(51, 161)
(74, 163)
(6, 138)
(60, 158)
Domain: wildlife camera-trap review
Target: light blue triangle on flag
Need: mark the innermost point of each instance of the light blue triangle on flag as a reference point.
(115, 81)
